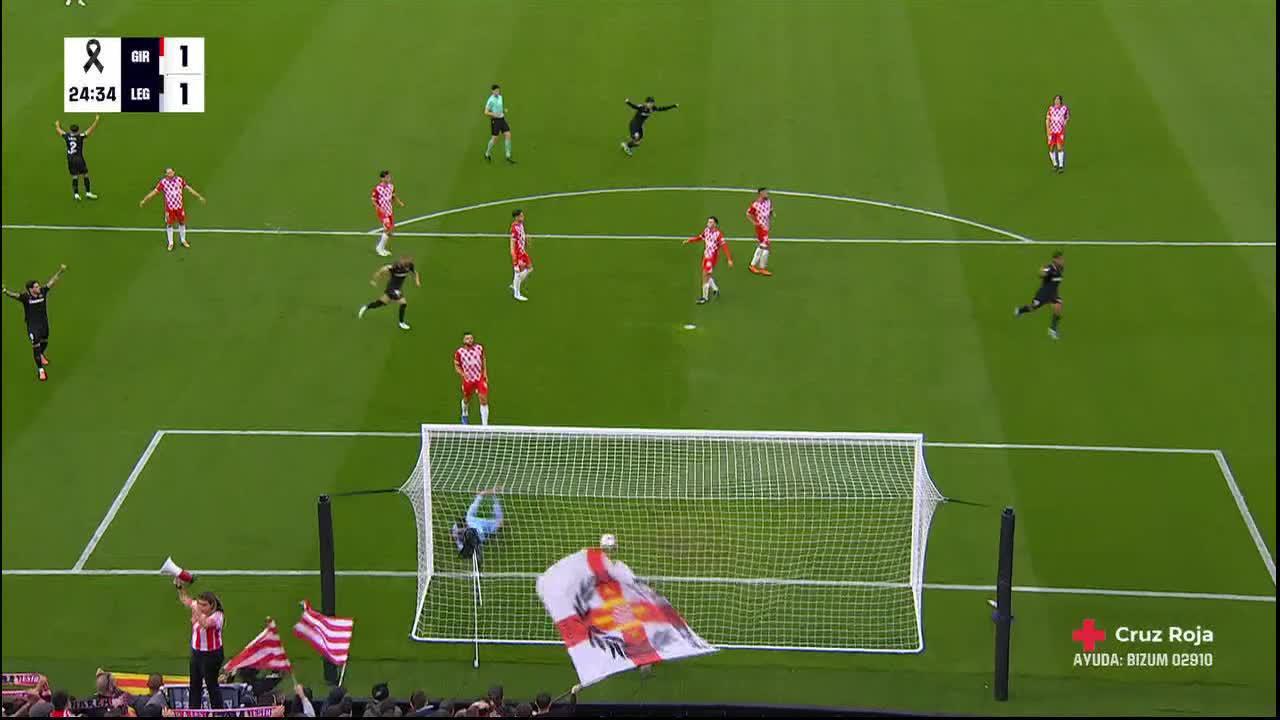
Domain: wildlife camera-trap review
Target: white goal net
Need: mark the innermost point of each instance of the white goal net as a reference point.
(768, 540)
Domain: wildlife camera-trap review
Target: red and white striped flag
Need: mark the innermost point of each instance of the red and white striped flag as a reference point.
(330, 636)
(264, 652)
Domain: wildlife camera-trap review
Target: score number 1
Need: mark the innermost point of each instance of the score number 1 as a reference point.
(182, 66)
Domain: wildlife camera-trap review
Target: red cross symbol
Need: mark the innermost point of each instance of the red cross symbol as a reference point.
(1088, 635)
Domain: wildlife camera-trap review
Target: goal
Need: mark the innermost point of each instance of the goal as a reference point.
(763, 540)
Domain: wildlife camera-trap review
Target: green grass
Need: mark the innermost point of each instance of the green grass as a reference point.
(935, 106)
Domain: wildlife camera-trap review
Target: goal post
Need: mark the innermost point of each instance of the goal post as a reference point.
(763, 540)
(418, 490)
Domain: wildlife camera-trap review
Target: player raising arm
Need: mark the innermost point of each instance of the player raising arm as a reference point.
(1048, 294)
(473, 368)
(36, 312)
(472, 531)
(713, 242)
(761, 215)
(382, 196)
(396, 273)
(636, 134)
(173, 186)
(520, 262)
(75, 155)
(1055, 128)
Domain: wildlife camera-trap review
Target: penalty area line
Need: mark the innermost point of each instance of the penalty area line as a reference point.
(195, 231)
(1079, 448)
(1224, 467)
(1031, 590)
(975, 242)
(119, 500)
(298, 433)
(1247, 516)
(853, 240)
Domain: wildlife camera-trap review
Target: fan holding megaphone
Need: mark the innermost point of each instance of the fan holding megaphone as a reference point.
(180, 577)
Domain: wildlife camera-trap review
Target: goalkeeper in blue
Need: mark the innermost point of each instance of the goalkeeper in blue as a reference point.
(469, 533)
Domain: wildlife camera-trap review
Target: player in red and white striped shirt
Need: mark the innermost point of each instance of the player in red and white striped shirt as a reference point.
(382, 196)
(712, 243)
(472, 367)
(520, 261)
(173, 185)
(761, 214)
(1055, 127)
(206, 645)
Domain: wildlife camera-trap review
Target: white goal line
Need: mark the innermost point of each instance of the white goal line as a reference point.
(607, 236)
(409, 574)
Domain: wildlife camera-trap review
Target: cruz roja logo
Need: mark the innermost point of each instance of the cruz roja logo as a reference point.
(1178, 646)
(1089, 635)
(1194, 637)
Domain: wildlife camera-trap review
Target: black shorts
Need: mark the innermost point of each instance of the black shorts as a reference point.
(38, 335)
(394, 293)
(1046, 297)
(76, 165)
(637, 131)
(470, 543)
(497, 126)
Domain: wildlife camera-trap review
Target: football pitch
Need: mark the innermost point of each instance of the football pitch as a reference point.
(199, 401)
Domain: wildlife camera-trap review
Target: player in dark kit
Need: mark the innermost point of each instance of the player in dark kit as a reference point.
(75, 156)
(36, 310)
(643, 112)
(1048, 294)
(396, 273)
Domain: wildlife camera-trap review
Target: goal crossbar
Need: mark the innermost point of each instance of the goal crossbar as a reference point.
(906, 438)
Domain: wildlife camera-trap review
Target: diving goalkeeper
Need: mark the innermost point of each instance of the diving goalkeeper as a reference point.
(470, 532)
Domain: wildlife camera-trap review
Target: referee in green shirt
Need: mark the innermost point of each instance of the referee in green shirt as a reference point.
(494, 108)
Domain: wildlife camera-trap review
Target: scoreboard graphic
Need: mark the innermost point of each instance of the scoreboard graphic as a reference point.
(133, 74)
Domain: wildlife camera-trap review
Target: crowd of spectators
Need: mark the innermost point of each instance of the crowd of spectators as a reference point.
(109, 700)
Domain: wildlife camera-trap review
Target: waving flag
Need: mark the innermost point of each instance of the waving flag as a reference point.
(263, 652)
(330, 636)
(610, 621)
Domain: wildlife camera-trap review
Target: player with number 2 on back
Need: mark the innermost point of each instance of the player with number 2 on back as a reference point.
(472, 367)
(75, 155)
(173, 186)
(382, 195)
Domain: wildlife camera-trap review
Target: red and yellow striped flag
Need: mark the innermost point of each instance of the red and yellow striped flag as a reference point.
(136, 683)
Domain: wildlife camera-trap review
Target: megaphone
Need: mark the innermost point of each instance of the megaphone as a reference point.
(171, 569)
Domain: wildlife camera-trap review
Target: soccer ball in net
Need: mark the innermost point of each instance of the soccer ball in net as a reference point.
(608, 541)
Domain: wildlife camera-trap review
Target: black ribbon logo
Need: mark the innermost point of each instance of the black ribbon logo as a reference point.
(94, 48)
